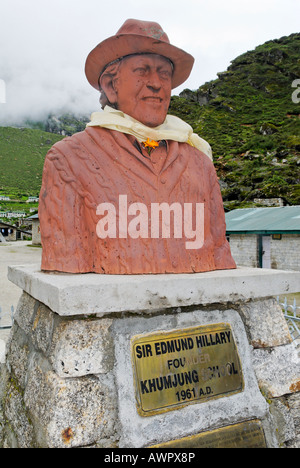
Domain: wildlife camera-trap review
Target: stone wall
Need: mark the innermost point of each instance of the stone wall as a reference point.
(269, 201)
(60, 391)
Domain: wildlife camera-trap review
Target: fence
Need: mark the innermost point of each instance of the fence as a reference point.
(293, 320)
(5, 327)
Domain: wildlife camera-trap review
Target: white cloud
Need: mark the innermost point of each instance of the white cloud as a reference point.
(43, 45)
(2, 92)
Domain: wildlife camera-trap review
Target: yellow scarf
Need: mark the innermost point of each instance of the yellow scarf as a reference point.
(173, 128)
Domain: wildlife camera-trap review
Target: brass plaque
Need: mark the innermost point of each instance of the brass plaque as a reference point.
(177, 368)
(249, 434)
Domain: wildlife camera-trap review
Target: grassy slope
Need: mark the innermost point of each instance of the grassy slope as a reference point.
(251, 123)
(22, 154)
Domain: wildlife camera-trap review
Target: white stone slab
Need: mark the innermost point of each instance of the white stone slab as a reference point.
(74, 294)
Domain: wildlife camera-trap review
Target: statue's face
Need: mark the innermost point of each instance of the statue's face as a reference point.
(143, 88)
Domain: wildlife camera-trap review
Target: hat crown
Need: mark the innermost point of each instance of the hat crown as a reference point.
(143, 28)
(138, 37)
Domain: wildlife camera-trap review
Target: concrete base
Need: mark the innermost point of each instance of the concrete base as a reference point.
(69, 375)
(71, 294)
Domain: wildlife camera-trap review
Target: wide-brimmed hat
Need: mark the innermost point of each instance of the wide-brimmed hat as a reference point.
(138, 37)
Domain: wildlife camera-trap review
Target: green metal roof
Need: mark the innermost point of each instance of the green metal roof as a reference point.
(277, 220)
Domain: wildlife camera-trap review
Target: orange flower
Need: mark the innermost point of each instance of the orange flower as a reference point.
(150, 144)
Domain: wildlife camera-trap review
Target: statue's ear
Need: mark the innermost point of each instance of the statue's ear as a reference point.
(107, 84)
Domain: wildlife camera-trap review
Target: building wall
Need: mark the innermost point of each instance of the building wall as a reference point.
(285, 253)
(244, 249)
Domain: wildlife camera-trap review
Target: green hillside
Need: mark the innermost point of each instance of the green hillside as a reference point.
(251, 122)
(22, 154)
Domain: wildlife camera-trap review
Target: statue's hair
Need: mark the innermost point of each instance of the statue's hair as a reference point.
(111, 70)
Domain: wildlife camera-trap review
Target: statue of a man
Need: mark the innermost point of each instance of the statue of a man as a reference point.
(136, 192)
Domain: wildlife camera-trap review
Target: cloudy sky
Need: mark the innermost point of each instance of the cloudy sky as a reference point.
(44, 43)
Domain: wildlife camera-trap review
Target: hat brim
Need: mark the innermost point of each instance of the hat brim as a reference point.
(127, 44)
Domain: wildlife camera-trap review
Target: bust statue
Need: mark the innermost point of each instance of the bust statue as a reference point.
(136, 192)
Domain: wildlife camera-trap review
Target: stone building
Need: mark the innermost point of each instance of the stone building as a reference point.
(7, 232)
(265, 237)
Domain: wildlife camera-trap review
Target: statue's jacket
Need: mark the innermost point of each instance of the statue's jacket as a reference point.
(100, 166)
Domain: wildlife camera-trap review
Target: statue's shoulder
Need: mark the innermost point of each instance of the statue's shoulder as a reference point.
(78, 142)
(70, 141)
(201, 155)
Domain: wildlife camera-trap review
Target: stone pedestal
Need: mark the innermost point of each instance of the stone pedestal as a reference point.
(71, 378)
